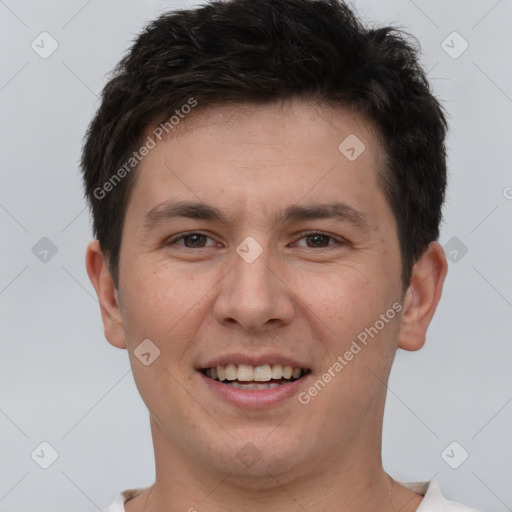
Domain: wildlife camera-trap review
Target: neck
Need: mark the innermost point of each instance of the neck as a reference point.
(341, 491)
(349, 479)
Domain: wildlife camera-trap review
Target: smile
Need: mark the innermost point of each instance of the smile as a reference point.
(251, 378)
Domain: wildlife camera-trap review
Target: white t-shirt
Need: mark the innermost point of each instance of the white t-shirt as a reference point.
(433, 500)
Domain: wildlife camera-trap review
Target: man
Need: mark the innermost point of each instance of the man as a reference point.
(266, 181)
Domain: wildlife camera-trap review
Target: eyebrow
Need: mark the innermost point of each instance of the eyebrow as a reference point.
(169, 210)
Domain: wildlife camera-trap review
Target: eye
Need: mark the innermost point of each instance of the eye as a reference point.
(313, 240)
(318, 240)
(190, 240)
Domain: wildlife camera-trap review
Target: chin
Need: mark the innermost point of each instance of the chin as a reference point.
(261, 457)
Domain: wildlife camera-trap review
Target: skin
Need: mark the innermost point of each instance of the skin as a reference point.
(306, 298)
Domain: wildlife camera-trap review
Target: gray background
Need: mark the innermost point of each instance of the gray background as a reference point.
(62, 383)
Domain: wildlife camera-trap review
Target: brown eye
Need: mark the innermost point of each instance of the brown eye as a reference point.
(195, 240)
(191, 241)
(318, 240)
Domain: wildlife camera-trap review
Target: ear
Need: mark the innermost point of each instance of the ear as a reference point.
(422, 297)
(108, 297)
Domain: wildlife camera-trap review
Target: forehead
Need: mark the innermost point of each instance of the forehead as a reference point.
(262, 155)
(271, 124)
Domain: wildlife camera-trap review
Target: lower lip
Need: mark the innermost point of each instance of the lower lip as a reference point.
(255, 398)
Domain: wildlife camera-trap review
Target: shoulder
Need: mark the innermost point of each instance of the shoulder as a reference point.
(433, 500)
(122, 498)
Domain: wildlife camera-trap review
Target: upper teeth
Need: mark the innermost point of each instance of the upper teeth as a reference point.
(247, 373)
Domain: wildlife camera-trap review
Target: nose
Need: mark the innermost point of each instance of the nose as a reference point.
(254, 296)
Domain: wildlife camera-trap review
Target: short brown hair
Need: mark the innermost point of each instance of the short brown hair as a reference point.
(261, 51)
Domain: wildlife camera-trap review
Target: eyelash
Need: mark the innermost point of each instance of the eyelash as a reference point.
(306, 234)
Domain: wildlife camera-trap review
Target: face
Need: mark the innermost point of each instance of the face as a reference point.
(255, 249)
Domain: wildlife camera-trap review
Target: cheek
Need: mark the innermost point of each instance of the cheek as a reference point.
(160, 307)
(152, 313)
(349, 304)
(344, 297)
(159, 298)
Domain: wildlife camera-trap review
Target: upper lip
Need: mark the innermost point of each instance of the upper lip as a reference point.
(253, 360)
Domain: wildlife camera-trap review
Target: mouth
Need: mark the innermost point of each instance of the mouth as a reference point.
(252, 378)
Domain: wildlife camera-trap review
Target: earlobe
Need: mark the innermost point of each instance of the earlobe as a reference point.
(422, 297)
(108, 296)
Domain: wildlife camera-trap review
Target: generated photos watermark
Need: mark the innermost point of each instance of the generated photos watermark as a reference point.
(151, 141)
(305, 397)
